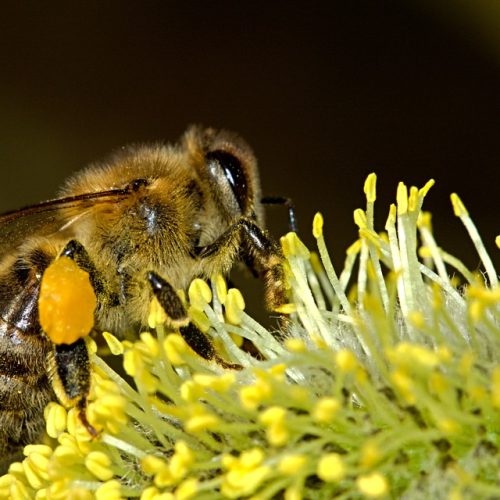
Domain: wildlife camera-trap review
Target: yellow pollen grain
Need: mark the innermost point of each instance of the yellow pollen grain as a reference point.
(448, 425)
(295, 345)
(370, 454)
(424, 219)
(272, 415)
(220, 288)
(346, 361)
(187, 489)
(325, 409)
(424, 252)
(199, 423)
(458, 207)
(234, 306)
(55, 416)
(152, 465)
(402, 198)
(360, 218)
(495, 387)
(175, 346)
(292, 464)
(373, 485)
(497, 241)
(199, 318)
(417, 319)
(331, 468)
(370, 188)
(199, 294)
(318, 225)
(157, 315)
(67, 302)
(115, 345)
(110, 490)
(391, 218)
(413, 199)
(424, 190)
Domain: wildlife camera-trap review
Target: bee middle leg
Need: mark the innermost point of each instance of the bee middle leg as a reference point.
(175, 310)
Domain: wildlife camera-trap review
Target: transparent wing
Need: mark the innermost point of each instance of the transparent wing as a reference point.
(51, 216)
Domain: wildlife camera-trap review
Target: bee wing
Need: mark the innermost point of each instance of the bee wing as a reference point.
(50, 217)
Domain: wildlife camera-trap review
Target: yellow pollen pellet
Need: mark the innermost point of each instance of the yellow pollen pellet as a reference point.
(331, 468)
(497, 241)
(373, 485)
(67, 302)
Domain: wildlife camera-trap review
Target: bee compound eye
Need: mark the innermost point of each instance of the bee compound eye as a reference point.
(233, 173)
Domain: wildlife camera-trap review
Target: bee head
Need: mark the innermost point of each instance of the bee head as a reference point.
(229, 167)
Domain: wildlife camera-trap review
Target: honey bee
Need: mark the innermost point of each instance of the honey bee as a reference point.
(142, 224)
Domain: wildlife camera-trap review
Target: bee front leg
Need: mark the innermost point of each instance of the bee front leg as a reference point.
(70, 376)
(260, 253)
(175, 310)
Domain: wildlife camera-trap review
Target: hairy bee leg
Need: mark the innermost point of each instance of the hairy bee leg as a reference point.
(173, 307)
(288, 204)
(76, 251)
(259, 252)
(71, 378)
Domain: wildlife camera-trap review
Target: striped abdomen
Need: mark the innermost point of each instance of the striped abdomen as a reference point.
(25, 388)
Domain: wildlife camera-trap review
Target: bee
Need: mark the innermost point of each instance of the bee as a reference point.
(142, 224)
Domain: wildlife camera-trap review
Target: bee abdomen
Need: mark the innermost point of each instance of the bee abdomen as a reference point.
(25, 388)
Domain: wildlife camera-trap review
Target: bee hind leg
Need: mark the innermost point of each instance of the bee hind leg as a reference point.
(175, 310)
(70, 376)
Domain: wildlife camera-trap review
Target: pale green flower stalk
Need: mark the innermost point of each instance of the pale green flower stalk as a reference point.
(385, 382)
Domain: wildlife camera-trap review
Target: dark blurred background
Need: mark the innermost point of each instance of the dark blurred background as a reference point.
(325, 92)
